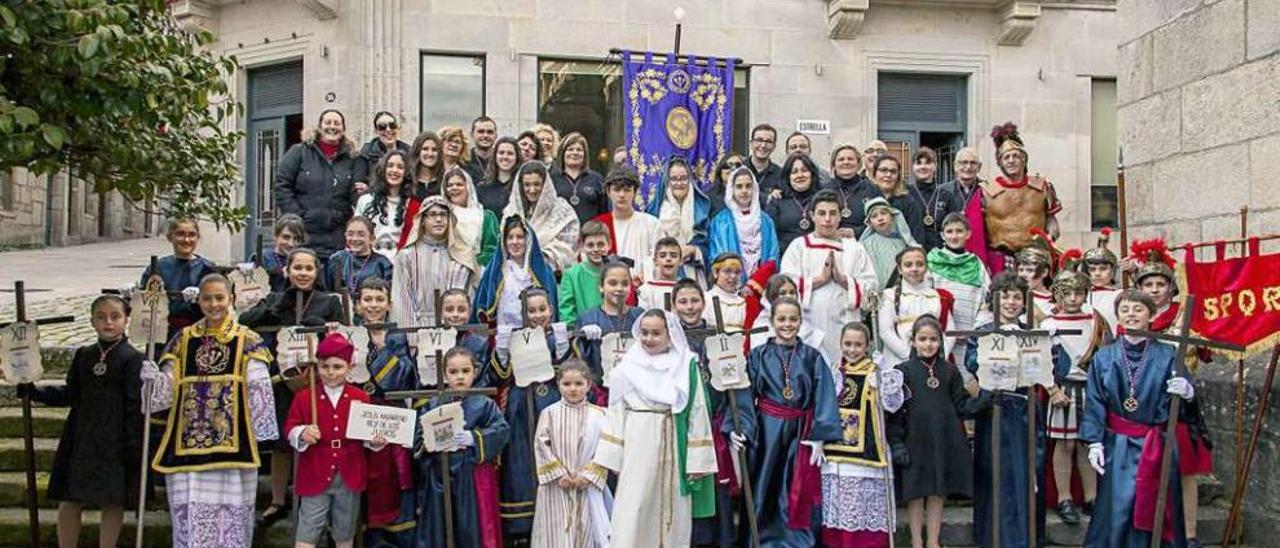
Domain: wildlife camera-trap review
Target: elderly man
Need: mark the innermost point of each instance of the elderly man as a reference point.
(954, 195)
(1011, 205)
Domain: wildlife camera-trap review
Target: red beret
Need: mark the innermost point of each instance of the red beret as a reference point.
(335, 345)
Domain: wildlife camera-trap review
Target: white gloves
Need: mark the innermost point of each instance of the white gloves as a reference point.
(189, 294)
(591, 332)
(1181, 387)
(464, 439)
(246, 268)
(126, 290)
(561, 332)
(149, 372)
(818, 456)
(738, 441)
(1051, 328)
(503, 337)
(1097, 459)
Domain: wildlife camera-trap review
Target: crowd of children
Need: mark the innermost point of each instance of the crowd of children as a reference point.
(857, 393)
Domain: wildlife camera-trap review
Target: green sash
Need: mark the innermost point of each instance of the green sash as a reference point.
(702, 490)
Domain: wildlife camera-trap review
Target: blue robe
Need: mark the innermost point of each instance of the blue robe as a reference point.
(1013, 464)
(723, 238)
(489, 292)
(1106, 389)
(485, 421)
(589, 351)
(774, 441)
(351, 271)
(701, 213)
(717, 530)
(391, 367)
(179, 274)
(519, 466)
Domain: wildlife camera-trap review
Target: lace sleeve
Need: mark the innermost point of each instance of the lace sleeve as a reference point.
(161, 389)
(262, 402)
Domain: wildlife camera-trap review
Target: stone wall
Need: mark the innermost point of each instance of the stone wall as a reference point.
(1199, 110)
(73, 219)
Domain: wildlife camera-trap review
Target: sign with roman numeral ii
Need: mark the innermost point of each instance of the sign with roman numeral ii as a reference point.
(727, 364)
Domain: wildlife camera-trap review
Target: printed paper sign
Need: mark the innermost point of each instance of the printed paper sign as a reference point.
(429, 342)
(439, 425)
(393, 423)
(149, 321)
(612, 347)
(1009, 362)
(20, 353)
(294, 348)
(530, 357)
(727, 364)
(250, 289)
(359, 337)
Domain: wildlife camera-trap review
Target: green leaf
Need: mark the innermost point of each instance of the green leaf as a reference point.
(6, 123)
(53, 135)
(7, 15)
(88, 45)
(25, 117)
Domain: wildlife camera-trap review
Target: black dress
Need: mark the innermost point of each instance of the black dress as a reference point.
(928, 428)
(280, 309)
(494, 195)
(99, 454)
(588, 187)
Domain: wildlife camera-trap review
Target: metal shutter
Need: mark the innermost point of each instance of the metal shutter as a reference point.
(275, 90)
(928, 102)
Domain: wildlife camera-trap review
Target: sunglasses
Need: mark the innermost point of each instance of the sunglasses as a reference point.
(733, 165)
(387, 125)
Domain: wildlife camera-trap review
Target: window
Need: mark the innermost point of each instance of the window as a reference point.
(586, 97)
(1104, 209)
(452, 90)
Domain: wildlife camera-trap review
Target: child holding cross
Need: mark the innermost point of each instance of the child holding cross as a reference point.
(472, 456)
(332, 470)
(1008, 293)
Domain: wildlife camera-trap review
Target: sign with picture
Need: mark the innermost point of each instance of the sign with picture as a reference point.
(429, 342)
(530, 357)
(612, 347)
(727, 364)
(1012, 361)
(395, 424)
(149, 320)
(439, 425)
(250, 288)
(20, 353)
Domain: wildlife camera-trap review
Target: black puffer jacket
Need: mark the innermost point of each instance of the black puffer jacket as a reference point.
(304, 185)
(370, 154)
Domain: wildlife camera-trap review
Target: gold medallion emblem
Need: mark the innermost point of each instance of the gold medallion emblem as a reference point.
(682, 129)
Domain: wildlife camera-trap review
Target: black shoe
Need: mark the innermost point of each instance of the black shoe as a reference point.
(272, 514)
(1067, 512)
(1087, 508)
(1193, 543)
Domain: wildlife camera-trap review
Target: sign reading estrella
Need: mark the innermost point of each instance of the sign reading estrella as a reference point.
(676, 106)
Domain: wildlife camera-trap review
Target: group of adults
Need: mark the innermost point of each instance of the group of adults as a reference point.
(326, 179)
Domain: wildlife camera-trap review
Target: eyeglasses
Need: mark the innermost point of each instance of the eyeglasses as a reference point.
(680, 179)
(437, 215)
(887, 171)
(733, 165)
(384, 126)
(760, 141)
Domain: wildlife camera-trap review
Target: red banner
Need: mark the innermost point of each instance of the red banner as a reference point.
(1239, 297)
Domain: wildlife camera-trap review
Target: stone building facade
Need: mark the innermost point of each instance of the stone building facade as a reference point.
(43, 211)
(1046, 65)
(1199, 111)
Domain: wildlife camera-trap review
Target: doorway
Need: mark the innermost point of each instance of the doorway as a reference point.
(274, 125)
(923, 110)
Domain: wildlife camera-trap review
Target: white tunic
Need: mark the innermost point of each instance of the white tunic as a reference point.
(898, 315)
(565, 444)
(733, 309)
(419, 272)
(1103, 301)
(653, 294)
(1076, 346)
(831, 306)
(637, 237)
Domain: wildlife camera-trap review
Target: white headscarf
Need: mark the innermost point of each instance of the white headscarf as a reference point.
(676, 216)
(459, 250)
(748, 223)
(661, 379)
(470, 216)
(553, 221)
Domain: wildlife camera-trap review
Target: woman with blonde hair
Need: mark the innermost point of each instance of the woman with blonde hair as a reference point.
(455, 151)
(548, 141)
(854, 189)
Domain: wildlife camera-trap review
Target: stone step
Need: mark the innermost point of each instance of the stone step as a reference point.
(13, 459)
(46, 422)
(15, 531)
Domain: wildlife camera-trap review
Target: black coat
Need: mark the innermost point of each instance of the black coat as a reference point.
(306, 183)
(370, 154)
(494, 195)
(100, 452)
(592, 200)
(854, 193)
(787, 212)
(952, 198)
(928, 199)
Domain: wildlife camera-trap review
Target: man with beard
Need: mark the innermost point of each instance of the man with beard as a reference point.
(484, 132)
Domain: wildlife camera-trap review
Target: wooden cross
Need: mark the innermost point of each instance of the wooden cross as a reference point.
(445, 395)
(1184, 340)
(745, 473)
(997, 415)
(28, 435)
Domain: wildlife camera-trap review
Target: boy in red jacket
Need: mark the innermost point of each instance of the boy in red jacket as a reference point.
(331, 466)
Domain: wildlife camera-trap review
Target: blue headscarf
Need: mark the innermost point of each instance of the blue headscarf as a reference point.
(489, 292)
(701, 205)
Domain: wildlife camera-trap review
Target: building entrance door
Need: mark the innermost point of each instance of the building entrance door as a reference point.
(275, 124)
